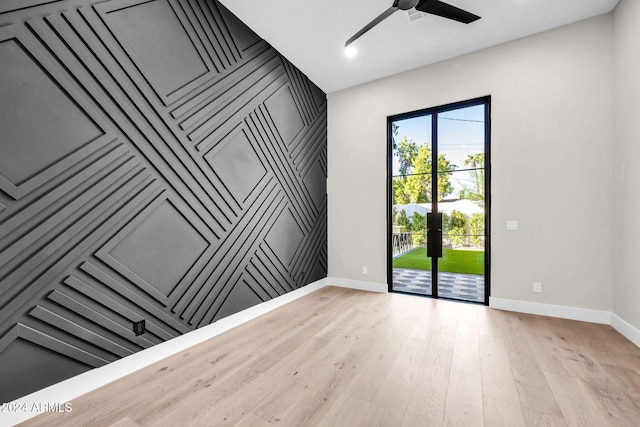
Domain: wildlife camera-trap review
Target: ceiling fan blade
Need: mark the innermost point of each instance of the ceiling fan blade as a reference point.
(384, 15)
(436, 7)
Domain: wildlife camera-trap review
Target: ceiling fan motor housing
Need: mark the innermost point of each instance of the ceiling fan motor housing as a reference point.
(405, 4)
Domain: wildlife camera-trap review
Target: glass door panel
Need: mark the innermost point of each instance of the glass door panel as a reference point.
(461, 200)
(412, 176)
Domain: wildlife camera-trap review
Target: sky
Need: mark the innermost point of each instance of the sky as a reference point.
(460, 133)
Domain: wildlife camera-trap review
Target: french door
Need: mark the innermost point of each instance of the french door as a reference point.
(438, 201)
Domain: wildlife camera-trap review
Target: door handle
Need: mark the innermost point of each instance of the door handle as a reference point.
(434, 234)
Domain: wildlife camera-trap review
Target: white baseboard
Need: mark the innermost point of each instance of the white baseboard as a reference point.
(357, 284)
(631, 333)
(563, 312)
(71, 388)
(573, 313)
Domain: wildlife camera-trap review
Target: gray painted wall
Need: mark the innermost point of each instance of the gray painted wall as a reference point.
(159, 161)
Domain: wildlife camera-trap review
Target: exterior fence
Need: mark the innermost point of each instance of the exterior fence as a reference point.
(405, 242)
(401, 243)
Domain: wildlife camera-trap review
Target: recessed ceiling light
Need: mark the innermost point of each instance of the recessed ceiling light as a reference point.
(350, 51)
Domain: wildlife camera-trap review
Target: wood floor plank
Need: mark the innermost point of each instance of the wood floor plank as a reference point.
(318, 398)
(125, 422)
(345, 410)
(388, 406)
(535, 418)
(305, 391)
(309, 406)
(381, 357)
(252, 420)
(254, 380)
(533, 390)
(429, 395)
(428, 398)
(591, 337)
(501, 405)
(546, 350)
(346, 357)
(583, 351)
(464, 397)
(489, 323)
(607, 393)
(576, 404)
(629, 380)
(273, 382)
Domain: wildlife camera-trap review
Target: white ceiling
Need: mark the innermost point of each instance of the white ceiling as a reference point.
(311, 34)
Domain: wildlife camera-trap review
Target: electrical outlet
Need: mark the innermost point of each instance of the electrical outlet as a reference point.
(537, 287)
(512, 225)
(139, 327)
(364, 271)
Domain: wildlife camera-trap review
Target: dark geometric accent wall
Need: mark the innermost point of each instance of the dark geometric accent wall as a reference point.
(158, 161)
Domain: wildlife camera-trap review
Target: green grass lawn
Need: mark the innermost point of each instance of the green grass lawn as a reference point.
(452, 261)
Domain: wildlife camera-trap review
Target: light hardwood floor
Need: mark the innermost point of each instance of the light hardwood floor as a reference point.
(341, 357)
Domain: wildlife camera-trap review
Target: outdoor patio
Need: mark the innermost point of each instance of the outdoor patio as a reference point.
(467, 287)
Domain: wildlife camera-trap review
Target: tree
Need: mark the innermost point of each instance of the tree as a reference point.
(406, 151)
(445, 167)
(415, 167)
(394, 130)
(402, 219)
(468, 194)
(418, 226)
(457, 228)
(446, 220)
(417, 187)
(476, 227)
(476, 163)
(400, 196)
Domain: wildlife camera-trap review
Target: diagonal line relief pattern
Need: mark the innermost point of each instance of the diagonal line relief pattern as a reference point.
(178, 177)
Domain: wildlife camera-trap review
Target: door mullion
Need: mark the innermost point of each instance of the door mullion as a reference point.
(434, 197)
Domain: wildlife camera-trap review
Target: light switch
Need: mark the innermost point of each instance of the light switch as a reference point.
(512, 225)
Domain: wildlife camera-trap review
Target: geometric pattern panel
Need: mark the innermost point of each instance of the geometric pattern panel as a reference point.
(27, 93)
(32, 151)
(25, 362)
(237, 165)
(240, 298)
(160, 162)
(316, 183)
(285, 237)
(285, 114)
(157, 249)
(158, 42)
(242, 35)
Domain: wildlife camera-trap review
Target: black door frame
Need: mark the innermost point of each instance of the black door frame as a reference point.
(486, 101)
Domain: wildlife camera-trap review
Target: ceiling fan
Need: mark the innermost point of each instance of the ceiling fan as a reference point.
(434, 7)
